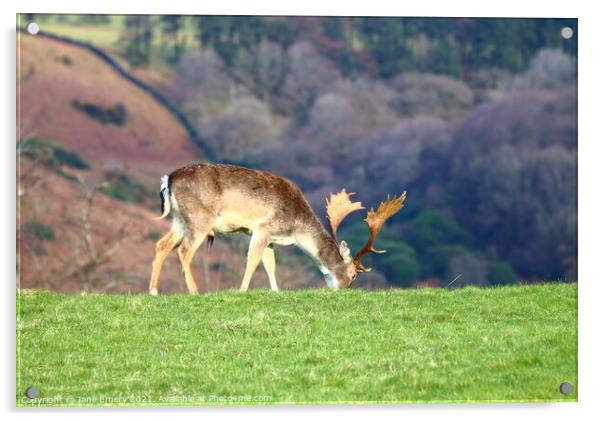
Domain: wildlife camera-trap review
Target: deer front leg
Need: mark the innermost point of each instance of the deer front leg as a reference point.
(186, 251)
(269, 263)
(258, 243)
(164, 246)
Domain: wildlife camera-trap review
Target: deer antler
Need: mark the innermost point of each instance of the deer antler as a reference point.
(338, 207)
(375, 221)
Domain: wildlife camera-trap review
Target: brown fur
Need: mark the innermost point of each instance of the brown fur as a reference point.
(210, 198)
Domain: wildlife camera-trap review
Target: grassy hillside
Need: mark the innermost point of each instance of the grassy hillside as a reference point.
(499, 344)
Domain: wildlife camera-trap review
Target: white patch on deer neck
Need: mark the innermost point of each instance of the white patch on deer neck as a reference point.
(330, 279)
(306, 243)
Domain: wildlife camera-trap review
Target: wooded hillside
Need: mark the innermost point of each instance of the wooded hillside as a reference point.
(475, 118)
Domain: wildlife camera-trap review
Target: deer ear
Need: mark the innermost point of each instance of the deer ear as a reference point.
(345, 252)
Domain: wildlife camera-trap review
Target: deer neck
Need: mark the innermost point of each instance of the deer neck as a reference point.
(318, 244)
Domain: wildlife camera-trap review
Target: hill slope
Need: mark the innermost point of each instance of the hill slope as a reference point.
(53, 75)
(149, 142)
(70, 98)
(499, 344)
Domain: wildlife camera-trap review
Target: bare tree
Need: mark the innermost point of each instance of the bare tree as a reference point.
(308, 74)
(77, 234)
(94, 257)
(246, 128)
(261, 69)
(428, 94)
(549, 69)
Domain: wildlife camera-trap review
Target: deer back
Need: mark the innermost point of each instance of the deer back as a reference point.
(231, 198)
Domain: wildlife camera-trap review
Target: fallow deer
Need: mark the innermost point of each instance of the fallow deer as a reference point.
(206, 199)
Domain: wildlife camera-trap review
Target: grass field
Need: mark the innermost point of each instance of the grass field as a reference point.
(312, 346)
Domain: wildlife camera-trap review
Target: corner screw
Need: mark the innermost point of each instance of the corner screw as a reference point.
(566, 388)
(32, 392)
(566, 32)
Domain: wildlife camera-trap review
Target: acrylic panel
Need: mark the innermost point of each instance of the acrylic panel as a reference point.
(186, 236)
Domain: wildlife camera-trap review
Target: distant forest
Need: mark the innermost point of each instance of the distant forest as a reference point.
(475, 118)
(380, 47)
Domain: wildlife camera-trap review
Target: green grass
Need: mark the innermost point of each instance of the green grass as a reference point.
(430, 345)
(101, 36)
(107, 35)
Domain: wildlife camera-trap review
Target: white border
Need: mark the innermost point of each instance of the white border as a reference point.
(590, 209)
(507, 8)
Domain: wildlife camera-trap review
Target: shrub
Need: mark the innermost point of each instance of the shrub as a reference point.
(52, 154)
(403, 154)
(344, 117)
(400, 264)
(436, 261)
(467, 269)
(244, 131)
(217, 266)
(154, 235)
(431, 95)
(371, 280)
(69, 158)
(501, 273)
(309, 74)
(430, 228)
(549, 69)
(40, 231)
(262, 69)
(123, 188)
(202, 79)
(116, 114)
(64, 59)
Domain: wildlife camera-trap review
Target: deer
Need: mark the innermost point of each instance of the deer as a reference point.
(207, 199)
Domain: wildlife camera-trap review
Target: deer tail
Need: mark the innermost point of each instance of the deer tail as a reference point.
(165, 194)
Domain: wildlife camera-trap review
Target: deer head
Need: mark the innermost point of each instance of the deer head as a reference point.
(338, 206)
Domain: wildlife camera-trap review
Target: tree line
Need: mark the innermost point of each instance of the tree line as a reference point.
(475, 118)
(379, 46)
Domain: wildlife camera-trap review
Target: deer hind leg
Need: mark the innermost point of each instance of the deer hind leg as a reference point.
(164, 246)
(257, 245)
(269, 263)
(189, 246)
